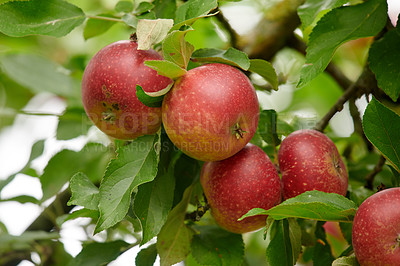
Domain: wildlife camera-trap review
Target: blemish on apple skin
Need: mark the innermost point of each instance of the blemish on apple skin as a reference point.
(115, 106)
(105, 91)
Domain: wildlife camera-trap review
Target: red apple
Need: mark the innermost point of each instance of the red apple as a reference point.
(109, 90)
(309, 160)
(376, 229)
(238, 184)
(212, 112)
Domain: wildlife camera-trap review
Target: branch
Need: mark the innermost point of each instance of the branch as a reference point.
(371, 176)
(349, 93)
(273, 31)
(44, 222)
(366, 83)
(232, 33)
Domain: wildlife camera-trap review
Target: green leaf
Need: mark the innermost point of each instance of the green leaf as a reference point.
(52, 17)
(124, 6)
(73, 123)
(395, 177)
(91, 160)
(346, 261)
(95, 27)
(144, 7)
(25, 240)
(322, 254)
(309, 11)
(166, 68)
(176, 49)
(278, 252)
(337, 27)
(382, 128)
(188, 12)
(147, 99)
(175, 237)
(150, 32)
(39, 74)
(130, 20)
(84, 192)
(11, 100)
(267, 127)
(135, 164)
(22, 199)
(215, 246)
(315, 205)
(265, 70)
(231, 56)
(294, 233)
(95, 253)
(358, 195)
(165, 8)
(153, 201)
(386, 65)
(146, 256)
(94, 215)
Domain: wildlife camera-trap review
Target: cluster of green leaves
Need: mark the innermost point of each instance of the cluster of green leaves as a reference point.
(146, 187)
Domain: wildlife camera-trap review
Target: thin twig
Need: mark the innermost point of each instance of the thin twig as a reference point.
(358, 128)
(350, 92)
(371, 176)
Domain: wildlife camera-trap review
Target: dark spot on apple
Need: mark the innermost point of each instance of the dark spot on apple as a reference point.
(115, 106)
(105, 90)
(104, 104)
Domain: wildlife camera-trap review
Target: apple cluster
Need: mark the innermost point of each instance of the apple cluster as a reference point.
(211, 113)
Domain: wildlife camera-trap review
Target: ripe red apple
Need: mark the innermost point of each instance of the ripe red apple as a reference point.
(109, 90)
(376, 229)
(309, 160)
(238, 184)
(212, 112)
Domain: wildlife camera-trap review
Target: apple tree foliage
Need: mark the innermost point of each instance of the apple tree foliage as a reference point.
(327, 56)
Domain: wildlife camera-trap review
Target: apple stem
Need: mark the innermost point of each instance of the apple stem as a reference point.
(239, 132)
(133, 37)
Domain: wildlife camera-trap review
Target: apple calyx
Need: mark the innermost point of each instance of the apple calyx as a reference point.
(397, 244)
(239, 132)
(108, 116)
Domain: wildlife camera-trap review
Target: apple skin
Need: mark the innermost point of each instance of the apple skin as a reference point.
(376, 229)
(212, 112)
(309, 160)
(109, 90)
(238, 184)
